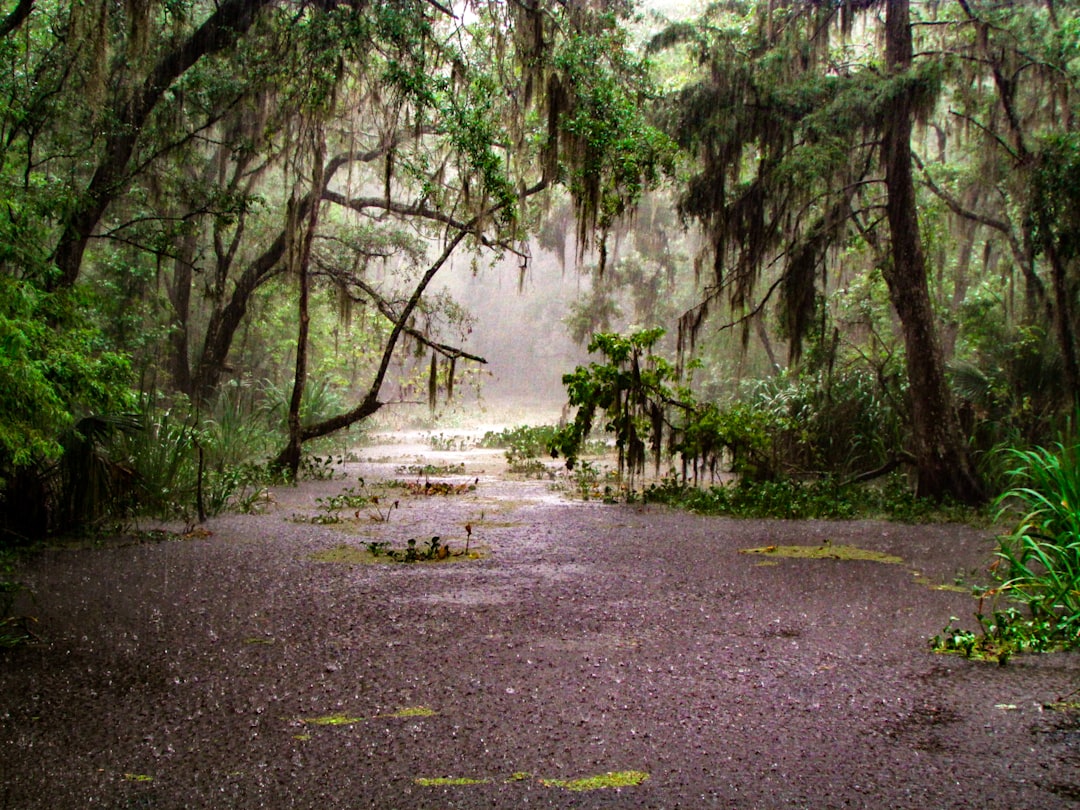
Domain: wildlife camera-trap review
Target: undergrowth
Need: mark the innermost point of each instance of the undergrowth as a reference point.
(14, 628)
(1035, 604)
(526, 445)
(823, 498)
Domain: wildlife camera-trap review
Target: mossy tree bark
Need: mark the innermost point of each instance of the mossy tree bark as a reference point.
(943, 465)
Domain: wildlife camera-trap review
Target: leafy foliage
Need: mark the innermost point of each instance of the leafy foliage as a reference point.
(53, 368)
(1042, 555)
(1038, 564)
(793, 499)
(632, 391)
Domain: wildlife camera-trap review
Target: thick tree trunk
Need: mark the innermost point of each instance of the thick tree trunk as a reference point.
(944, 467)
(220, 31)
(1063, 321)
(225, 320)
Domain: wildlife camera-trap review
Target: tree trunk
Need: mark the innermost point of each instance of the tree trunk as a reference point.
(370, 404)
(944, 467)
(289, 460)
(179, 289)
(219, 32)
(225, 320)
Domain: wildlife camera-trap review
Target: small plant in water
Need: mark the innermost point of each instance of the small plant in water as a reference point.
(379, 515)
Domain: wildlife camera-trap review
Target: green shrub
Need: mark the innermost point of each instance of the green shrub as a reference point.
(1041, 557)
(1038, 566)
(822, 498)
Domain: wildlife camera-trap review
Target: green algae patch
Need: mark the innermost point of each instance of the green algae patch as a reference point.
(412, 711)
(826, 551)
(448, 780)
(950, 588)
(611, 779)
(344, 554)
(339, 719)
(342, 719)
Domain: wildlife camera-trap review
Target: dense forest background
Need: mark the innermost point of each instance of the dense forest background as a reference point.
(803, 239)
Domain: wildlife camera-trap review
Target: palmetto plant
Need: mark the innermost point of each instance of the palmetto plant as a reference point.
(1040, 560)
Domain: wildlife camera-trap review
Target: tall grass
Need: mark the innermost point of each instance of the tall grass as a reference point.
(1037, 567)
(176, 444)
(1040, 559)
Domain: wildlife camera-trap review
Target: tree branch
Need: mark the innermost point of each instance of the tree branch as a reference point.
(16, 17)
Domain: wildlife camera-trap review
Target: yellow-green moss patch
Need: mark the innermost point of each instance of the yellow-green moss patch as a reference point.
(339, 719)
(825, 551)
(448, 780)
(412, 711)
(951, 588)
(1063, 706)
(348, 555)
(355, 555)
(611, 779)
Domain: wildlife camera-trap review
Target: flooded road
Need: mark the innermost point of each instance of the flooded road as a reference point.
(588, 655)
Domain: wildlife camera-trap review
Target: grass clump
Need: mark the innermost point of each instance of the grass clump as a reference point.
(1038, 564)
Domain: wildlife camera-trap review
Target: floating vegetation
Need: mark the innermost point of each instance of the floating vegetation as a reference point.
(431, 469)
(429, 488)
(950, 588)
(825, 551)
(412, 711)
(339, 719)
(377, 551)
(612, 779)
(342, 719)
(1068, 706)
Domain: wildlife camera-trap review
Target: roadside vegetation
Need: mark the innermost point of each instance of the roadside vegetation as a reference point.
(1034, 603)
